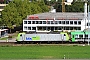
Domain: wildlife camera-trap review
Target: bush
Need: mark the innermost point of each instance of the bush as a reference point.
(9, 36)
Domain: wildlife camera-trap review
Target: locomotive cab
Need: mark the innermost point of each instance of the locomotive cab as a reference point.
(19, 37)
(66, 36)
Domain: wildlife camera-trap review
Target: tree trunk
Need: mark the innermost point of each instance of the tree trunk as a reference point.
(10, 30)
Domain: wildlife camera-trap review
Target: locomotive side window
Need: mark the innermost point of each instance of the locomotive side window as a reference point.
(21, 35)
(76, 36)
(80, 36)
(86, 36)
(64, 35)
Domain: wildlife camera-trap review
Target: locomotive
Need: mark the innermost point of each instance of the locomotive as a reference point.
(74, 36)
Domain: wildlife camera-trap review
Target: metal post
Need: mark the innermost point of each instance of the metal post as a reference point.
(85, 13)
(88, 24)
(62, 36)
(84, 36)
(85, 17)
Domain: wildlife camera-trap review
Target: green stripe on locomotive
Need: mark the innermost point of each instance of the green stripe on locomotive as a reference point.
(36, 38)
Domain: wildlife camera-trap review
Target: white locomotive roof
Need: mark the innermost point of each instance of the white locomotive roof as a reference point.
(59, 16)
(1, 30)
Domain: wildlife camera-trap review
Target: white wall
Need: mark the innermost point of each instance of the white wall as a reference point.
(69, 0)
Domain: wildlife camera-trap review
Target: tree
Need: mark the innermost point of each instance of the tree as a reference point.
(17, 10)
(78, 7)
(43, 6)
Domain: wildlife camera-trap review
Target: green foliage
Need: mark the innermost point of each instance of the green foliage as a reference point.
(17, 10)
(75, 7)
(43, 6)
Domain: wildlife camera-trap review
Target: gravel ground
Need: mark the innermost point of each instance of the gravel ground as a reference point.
(9, 40)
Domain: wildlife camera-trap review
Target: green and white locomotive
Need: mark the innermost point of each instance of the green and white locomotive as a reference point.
(74, 36)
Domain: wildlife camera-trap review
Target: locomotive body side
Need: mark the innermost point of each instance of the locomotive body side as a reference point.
(42, 37)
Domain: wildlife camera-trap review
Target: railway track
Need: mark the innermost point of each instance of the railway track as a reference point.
(13, 42)
(4, 43)
(16, 44)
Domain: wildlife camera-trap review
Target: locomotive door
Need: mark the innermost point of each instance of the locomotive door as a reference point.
(52, 28)
(73, 38)
(21, 37)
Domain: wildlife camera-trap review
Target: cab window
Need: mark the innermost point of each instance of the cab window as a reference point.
(20, 34)
(64, 35)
